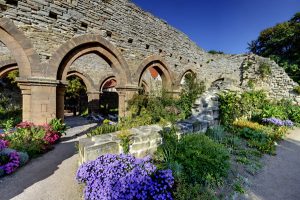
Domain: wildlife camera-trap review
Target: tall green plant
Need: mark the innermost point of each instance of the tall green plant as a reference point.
(191, 90)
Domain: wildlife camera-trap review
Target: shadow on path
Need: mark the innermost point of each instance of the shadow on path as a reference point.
(280, 178)
(44, 166)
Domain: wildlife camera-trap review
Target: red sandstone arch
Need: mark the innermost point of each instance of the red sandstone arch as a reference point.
(160, 66)
(62, 59)
(104, 80)
(20, 47)
(7, 66)
(85, 78)
(187, 70)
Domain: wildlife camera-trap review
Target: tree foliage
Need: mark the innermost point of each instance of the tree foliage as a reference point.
(75, 88)
(281, 43)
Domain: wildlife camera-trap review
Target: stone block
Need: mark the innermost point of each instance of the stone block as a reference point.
(93, 152)
(139, 146)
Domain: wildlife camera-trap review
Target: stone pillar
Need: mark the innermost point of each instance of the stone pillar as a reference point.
(39, 99)
(93, 101)
(125, 94)
(60, 101)
(26, 102)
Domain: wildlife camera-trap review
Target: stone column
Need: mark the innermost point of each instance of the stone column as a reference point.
(125, 94)
(39, 99)
(93, 101)
(60, 101)
(26, 102)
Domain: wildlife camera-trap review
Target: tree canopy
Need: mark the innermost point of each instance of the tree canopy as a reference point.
(282, 44)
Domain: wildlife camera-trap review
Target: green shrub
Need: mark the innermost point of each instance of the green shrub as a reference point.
(216, 133)
(30, 140)
(215, 52)
(103, 129)
(264, 70)
(185, 191)
(273, 110)
(58, 126)
(203, 160)
(259, 140)
(245, 105)
(297, 89)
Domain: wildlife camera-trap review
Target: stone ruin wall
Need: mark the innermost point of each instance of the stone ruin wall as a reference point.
(136, 33)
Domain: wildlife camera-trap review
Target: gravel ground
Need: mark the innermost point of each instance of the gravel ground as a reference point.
(52, 175)
(280, 177)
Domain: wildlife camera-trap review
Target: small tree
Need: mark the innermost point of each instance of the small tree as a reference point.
(73, 93)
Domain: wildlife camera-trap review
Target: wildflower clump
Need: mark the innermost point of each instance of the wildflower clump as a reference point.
(278, 122)
(124, 177)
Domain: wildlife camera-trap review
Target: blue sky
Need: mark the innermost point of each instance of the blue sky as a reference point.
(225, 25)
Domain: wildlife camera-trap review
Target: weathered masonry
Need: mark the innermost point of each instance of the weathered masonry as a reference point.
(98, 40)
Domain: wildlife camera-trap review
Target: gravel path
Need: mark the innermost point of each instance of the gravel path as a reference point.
(52, 175)
(280, 177)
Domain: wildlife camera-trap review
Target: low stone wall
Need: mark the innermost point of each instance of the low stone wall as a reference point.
(145, 140)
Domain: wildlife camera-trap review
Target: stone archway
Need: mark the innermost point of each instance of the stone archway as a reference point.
(7, 66)
(182, 76)
(28, 63)
(79, 46)
(92, 93)
(20, 47)
(156, 62)
(109, 95)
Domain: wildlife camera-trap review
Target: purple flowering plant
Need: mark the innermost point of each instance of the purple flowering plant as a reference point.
(9, 162)
(114, 177)
(3, 144)
(278, 122)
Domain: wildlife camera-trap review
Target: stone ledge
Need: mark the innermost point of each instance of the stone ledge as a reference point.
(145, 139)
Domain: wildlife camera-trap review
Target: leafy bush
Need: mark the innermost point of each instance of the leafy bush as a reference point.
(164, 108)
(31, 138)
(124, 177)
(264, 70)
(255, 105)
(191, 90)
(274, 110)
(208, 161)
(186, 191)
(297, 89)
(103, 129)
(245, 105)
(216, 133)
(58, 126)
(215, 52)
(258, 139)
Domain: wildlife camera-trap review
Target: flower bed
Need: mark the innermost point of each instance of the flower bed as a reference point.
(26, 141)
(124, 177)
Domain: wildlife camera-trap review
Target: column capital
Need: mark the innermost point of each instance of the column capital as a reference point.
(35, 81)
(93, 92)
(126, 88)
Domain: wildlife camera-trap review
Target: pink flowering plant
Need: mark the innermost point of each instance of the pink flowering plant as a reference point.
(114, 177)
(33, 139)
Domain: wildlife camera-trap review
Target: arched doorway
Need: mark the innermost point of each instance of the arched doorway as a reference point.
(154, 74)
(184, 75)
(28, 63)
(77, 47)
(10, 93)
(76, 95)
(109, 97)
